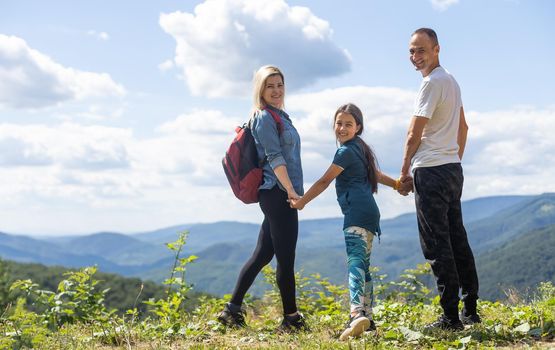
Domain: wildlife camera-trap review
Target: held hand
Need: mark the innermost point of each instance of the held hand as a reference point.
(404, 185)
(291, 194)
(295, 204)
(407, 185)
(405, 177)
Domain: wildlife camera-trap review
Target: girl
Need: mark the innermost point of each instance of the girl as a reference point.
(355, 168)
(283, 181)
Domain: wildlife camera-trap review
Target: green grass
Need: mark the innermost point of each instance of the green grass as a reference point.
(398, 328)
(75, 317)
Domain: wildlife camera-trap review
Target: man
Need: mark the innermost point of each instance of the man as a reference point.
(434, 147)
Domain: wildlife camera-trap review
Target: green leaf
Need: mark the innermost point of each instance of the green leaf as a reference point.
(535, 332)
(391, 335)
(466, 340)
(523, 328)
(409, 334)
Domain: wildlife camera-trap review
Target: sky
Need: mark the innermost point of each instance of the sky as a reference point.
(114, 115)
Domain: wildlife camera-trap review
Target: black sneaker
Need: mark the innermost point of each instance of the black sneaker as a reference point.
(356, 326)
(445, 323)
(231, 318)
(291, 324)
(468, 318)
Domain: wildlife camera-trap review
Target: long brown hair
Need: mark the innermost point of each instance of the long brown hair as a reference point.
(353, 110)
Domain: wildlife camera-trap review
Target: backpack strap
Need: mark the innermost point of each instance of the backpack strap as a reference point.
(279, 125)
(274, 115)
(277, 119)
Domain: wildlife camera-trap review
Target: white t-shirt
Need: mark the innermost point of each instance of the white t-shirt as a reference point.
(439, 100)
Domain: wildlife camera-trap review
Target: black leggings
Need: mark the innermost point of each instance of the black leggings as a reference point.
(278, 236)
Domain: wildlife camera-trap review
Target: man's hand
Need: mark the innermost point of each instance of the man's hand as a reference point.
(406, 186)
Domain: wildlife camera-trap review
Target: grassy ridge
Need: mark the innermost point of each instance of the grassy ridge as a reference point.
(122, 293)
(74, 316)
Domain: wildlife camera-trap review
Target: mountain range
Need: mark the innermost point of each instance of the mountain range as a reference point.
(502, 230)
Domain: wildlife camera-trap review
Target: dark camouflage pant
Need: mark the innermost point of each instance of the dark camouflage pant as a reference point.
(442, 235)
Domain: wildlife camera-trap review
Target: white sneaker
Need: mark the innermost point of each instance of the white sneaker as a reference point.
(355, 327)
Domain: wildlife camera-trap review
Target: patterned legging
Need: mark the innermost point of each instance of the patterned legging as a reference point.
(358, 242)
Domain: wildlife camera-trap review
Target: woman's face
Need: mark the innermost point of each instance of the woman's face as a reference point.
(345, 127)
(274, 91)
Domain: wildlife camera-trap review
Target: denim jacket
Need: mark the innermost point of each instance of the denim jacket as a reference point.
(278, 149)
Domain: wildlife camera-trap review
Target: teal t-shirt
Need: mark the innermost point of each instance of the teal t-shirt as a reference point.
(354, 192)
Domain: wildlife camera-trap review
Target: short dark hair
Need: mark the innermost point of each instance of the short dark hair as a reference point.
(429, 32)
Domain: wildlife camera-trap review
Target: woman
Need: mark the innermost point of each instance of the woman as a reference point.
(279, 151)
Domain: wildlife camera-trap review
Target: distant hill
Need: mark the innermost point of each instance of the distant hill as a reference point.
(202, 235)
(524, 261)
(118, 248)
(223, 247)
(26, 249)
(524, 216)
(480, 208)
(321, 248)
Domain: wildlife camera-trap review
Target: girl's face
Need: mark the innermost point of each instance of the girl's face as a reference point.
(274, 91)
(346, 127)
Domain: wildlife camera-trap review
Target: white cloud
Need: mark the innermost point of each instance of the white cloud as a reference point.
(194, 143)
(98, 160)
(99, 35)
(512, 141)
(181, 163)
(99, 177)
(386, 113)
(16, 152)
(30, 79)
(225, 41)
(67, 146)
(508, 152)
(442, 5)
(166, 65)
(102, 176)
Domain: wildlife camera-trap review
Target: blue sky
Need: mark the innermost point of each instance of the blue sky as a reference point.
(114, 115)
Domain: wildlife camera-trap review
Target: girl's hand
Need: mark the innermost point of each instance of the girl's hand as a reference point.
(295, 204)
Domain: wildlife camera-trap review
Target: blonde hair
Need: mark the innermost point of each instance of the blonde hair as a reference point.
(259, 83)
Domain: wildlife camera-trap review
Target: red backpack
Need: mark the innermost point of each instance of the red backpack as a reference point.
(241, 165)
